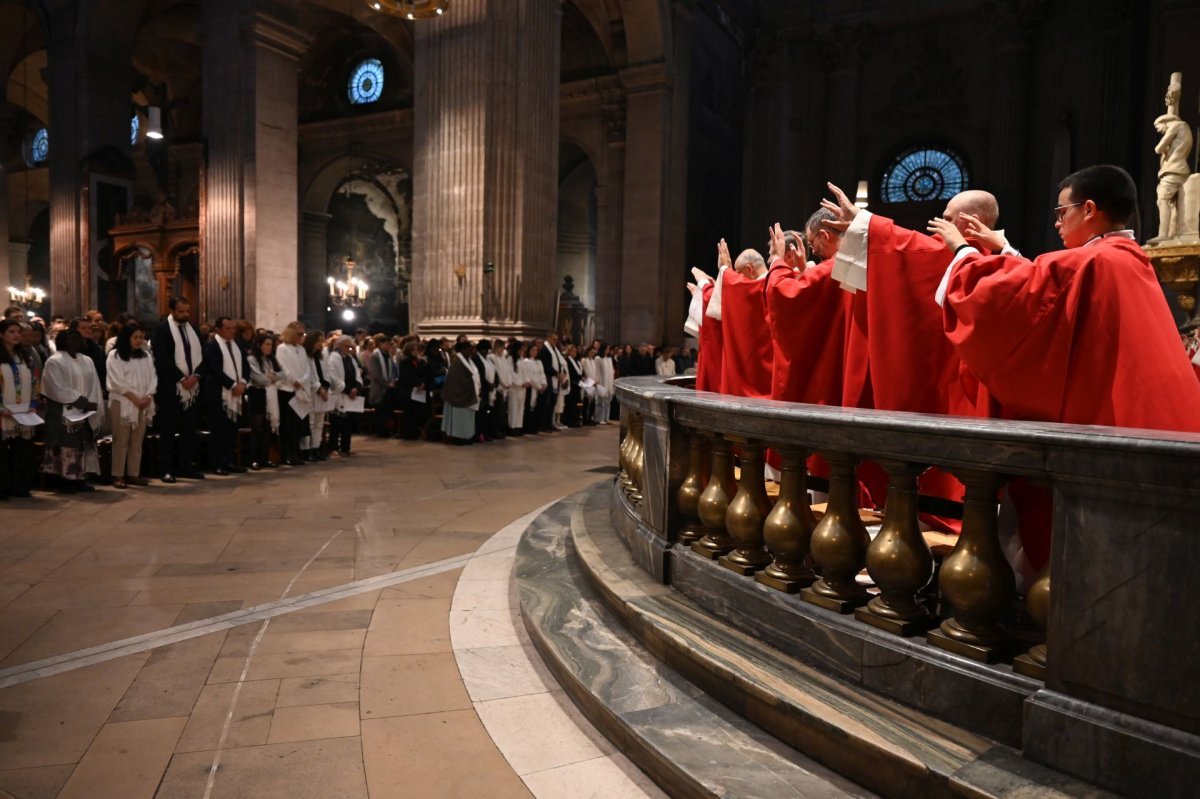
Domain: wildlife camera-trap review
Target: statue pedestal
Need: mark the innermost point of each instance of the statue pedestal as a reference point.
(1177, 264)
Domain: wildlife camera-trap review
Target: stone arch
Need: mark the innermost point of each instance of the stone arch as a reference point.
(647, 26)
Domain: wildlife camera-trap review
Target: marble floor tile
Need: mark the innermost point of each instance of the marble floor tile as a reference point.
(239, 640)
(19, 625)
(314, 722)
(503, 671)
(484, 627)
(251, 722)
(298, 664)
(493, 566)
(80, 628)
(541, 731)
(334, 689)
(126, 761)
(171, 681)
(199, 611)
(53, 720)
(424, 756)
(405, 685)
(298, 770)
(35, 783)
(435, 587)
(600, 778)
(484, 595)
(408, 627)
(322, 619)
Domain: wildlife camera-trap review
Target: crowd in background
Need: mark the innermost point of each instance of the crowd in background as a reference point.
(301, 394)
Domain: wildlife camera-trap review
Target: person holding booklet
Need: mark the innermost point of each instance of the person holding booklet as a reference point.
(345, 387)
(18, 388)
(72, 390)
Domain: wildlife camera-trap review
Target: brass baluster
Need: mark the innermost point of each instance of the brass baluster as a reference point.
(975, 579)
(839, 543)
(746, 514)
(788, 528)
(1037, 602)
(623, 449)
(714, 502)
(899, 560)
(637, 454)
(688, 497)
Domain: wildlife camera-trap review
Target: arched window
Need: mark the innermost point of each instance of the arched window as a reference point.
(39, 151)
(366, 82)
(135, 125)
(924, 174)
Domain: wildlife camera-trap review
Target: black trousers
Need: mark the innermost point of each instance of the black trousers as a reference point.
(176, 427)
(570, 415)
(291, 427)
(499, 417)
(545, 409)
(413, 420)
(260, 425)
(221, 433)
(385, 410)
(341, 426)
(18, 470)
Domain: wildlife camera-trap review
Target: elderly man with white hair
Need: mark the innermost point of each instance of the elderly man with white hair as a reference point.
(344, 374)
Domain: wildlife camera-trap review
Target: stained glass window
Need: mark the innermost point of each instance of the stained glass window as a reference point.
(366, 82)
(134, 126)
(924, 174)
(41, 146)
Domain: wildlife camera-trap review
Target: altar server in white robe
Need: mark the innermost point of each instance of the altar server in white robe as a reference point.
(606, 384)
(298, 381)
(70, 384)
(502, 363)
(18, 390)
(518, 388)
(132, 383)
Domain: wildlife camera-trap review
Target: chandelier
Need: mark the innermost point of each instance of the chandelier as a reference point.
(411, 9)
(27, 298)
(349, 292)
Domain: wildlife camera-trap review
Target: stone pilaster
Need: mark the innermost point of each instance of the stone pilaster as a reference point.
(314, 265)
(843, 48)
(251, 227)
(8, 116)
(68, 292)
(610, 192)
(485, 176)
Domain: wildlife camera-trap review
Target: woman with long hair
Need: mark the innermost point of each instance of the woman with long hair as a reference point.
(412, 387)
(605, 385)
(296, 382)
(263, 400)
(460, 395)
(18, 389)
(310, 445)
(132, 383)
(536, 383)
(71, 387)
(517, 388)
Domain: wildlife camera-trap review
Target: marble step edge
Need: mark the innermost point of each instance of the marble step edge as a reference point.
(689, 744)
(876, 741)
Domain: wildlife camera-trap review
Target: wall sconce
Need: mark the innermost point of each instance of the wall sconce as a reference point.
(460, 272)
(860, 196)
(154, 123)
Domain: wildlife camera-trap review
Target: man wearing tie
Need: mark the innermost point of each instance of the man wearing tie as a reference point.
(382, 371)
(226, 372)
(176, 349)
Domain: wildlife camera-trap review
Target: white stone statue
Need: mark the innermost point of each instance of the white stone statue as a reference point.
(1173, 151)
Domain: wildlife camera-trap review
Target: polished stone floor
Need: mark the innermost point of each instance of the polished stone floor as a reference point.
(339, 630)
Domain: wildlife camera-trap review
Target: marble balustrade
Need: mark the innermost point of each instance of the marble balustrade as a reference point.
(1125, 505)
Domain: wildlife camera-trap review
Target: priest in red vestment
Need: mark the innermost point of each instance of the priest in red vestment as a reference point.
(707, 331)
(1082, 335)
(738, 303)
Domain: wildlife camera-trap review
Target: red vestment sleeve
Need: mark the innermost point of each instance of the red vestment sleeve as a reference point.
(712, 345)
(807, 315)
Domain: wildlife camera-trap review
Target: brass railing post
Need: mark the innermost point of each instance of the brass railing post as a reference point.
(975, 578)
(899, 560)
(788, 528)
(839, 543)
(746, 513)
(1037, 602)
(688, 497)
(623, 448)
(636, 457)
(714, 502)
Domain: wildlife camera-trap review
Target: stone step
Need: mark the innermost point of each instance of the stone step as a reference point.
(877, 742)
(689, 744)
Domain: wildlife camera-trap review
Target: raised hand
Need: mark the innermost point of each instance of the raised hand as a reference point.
(723, 257)
(842, 207)
(983, 234)
(700, 276)
(779, 246)
(692, 289)
(949, 233)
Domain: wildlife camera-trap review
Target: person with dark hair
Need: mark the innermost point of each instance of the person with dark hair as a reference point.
(460, 395)
(18, 389)
(518, 388)
(262, 400)
(1082, 335)
(226, 375)
(177, 352)
(132, 383)
(412, 390)
(383, 378)
(310, 443)
(487, 380)
(70, 385)
(574, 394)
(14, 312)
(345, 382)
(502, 366)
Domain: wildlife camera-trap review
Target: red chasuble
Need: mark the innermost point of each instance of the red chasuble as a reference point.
(1081, 336)
(712, 345)
(747, 351)
(807, 314)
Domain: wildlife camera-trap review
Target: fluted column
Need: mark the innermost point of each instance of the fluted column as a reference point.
(249, 250)
(68, 293)
(1013, 31)
(609, 205)
(485, 171)
(843, 47)
(8, 116)
(314, 266)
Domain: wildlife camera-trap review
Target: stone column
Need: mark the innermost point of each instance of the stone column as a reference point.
(485, 176)
(8, 117)
(68, 293)
(610, 191)
(251, 226)
(843, 51)
(1013, 29)
(314, 265)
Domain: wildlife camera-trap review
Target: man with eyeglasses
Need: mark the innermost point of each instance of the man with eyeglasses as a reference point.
(1081, 335)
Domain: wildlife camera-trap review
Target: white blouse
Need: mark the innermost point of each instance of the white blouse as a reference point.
(296, 367)
(135, 376)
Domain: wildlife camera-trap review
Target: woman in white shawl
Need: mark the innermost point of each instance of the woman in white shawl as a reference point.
(502, 366)
(18, 390)
(263, 400)
(535, 379)
(295, 369)
(605, 384)
(589, 384)
(518, 385)
(70, 384)
(132, 382)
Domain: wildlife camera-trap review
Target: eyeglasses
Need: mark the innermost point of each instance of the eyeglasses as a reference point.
(1061, 211)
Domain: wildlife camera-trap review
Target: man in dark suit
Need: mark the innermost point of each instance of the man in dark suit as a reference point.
(225, 369)
(548, 357)
(483, 416)
(175, 418)
(382, 373)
